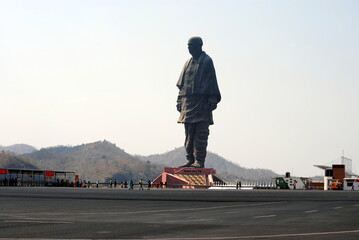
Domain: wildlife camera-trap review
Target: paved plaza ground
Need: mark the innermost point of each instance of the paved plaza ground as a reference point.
(70, 213)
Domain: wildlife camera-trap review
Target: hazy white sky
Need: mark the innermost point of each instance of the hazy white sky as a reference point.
(74, 72)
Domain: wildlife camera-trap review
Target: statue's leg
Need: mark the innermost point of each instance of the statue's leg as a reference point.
(190, 129)
(200, 144)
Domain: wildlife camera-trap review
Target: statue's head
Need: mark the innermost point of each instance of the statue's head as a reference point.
(195, 46)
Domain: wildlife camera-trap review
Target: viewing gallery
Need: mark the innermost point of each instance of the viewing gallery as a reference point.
(35, 177)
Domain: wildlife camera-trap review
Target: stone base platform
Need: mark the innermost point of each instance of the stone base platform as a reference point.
(187, 178)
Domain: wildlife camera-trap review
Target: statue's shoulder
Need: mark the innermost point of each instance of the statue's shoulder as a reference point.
(207, 59)
(187, 63)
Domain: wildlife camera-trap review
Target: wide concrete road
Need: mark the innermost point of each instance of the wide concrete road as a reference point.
(68, 213)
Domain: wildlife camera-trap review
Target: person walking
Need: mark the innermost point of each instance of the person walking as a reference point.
(140, 185)
(130, 185)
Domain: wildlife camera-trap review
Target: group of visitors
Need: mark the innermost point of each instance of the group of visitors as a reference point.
(11, 182)
(64, 183)
(17, 182)
(81, 183)
(130, 185)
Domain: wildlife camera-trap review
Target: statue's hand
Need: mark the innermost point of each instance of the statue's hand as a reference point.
(212, 106)
(178, 107)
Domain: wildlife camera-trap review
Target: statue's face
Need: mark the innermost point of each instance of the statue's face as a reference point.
(194, 48)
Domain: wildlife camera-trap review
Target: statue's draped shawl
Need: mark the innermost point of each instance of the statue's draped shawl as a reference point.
(205, 80)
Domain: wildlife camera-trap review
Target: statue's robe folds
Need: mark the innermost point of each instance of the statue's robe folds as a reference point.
(198, 90)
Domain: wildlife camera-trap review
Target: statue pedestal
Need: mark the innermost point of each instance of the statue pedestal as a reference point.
(186, 178)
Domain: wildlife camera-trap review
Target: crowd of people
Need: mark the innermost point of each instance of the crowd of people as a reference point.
(130, 185)
(11, 182)
(81, 183)
(17, 182)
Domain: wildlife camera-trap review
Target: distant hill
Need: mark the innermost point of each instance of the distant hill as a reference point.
(18, 149)
(229, 171)
(96, 161)
(10, 160)
(103, 160)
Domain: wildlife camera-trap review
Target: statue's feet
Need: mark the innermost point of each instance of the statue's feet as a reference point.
(198, 164)
(187, 164)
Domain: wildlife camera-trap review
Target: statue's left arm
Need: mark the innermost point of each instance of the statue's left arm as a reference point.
(214, 96)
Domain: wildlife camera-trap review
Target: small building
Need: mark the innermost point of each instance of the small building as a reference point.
(293, 183)
(351, 184)
(334, 176)
(34, 177)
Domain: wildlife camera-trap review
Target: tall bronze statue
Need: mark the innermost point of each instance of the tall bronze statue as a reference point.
(198, 97)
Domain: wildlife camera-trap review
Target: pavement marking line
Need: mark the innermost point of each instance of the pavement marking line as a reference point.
(311, 211)
(36, 221)
(193, 209)
(170, 210)
(356, 205)
(265, 216)
(258, 236)
(205, 238)
(190, 220)
(337, 207)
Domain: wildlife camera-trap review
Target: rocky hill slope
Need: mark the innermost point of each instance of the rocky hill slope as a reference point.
(95, 161)
(103, 160)
(10, 160)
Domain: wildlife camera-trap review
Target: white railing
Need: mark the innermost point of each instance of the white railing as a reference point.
(244, 185)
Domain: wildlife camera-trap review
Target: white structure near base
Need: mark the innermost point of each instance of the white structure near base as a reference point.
(351, 184)
(327, 181)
